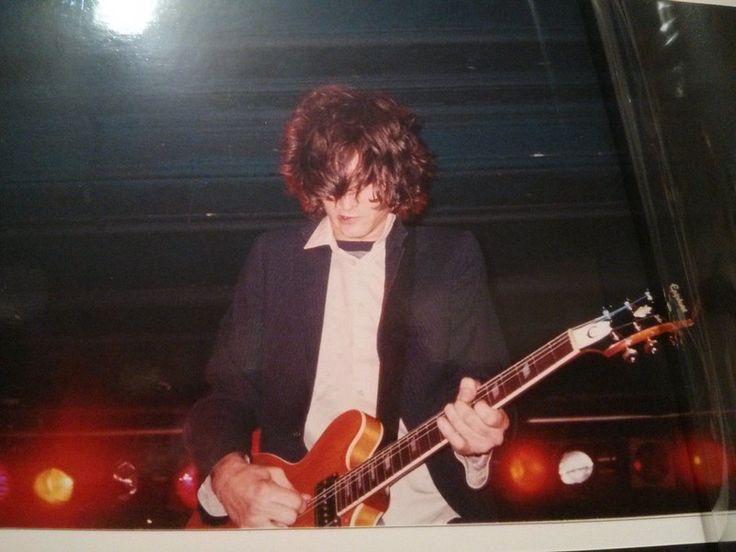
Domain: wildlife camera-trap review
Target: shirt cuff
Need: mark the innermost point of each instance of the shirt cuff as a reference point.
(209, 501)
(476, 469)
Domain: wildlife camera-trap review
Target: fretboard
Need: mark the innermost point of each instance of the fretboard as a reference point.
(400, 457)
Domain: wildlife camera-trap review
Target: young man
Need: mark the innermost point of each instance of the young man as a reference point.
(355, 310)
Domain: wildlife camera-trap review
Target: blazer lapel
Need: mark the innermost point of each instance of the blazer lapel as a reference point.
(394, 327)
(311, 274)
(394, 253)
(312, 271)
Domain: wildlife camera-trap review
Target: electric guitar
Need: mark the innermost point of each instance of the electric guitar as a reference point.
(349, 483)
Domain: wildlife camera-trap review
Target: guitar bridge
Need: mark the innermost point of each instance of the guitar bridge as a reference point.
(325, 511)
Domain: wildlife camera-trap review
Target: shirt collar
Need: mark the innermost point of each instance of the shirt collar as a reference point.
(323, 235)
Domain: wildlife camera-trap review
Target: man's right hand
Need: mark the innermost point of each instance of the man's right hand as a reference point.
(256, 496)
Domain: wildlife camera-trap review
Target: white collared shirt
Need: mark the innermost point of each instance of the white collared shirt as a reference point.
(348, 366)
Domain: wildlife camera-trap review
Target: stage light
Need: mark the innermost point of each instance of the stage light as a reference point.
(186, 485)
(527, 469)
(54, 486)
(575, 467)
(701, 462)
(651, 464)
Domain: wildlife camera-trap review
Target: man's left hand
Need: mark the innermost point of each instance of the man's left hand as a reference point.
(472, 429)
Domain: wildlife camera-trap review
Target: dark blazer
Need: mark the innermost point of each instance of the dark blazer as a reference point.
(438, 325)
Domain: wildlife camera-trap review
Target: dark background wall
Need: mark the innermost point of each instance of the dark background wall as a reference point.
(136, 167)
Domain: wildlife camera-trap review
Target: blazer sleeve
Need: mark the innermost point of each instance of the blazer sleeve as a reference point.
(476, 348)
(223, 420)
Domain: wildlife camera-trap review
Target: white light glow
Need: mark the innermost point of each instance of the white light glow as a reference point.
(127, 17)
(575, 467)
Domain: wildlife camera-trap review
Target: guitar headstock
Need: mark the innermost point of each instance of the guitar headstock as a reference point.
(625, 330)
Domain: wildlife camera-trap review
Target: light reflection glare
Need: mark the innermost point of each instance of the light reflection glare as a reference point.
(53, 486)
(575, 467)
(127, 17)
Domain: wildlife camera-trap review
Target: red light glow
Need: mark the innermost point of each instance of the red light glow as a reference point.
(526, 470)
(186, 485)
(652, 464)
(700, 463)
(4, 483)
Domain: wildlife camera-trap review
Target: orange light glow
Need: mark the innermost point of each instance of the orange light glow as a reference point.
(54, 486)
(701, 463)
(527, 470)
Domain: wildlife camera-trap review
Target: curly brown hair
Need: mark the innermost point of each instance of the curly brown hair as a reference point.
(330, 126)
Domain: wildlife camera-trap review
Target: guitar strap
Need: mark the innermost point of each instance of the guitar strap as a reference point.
(393, 336)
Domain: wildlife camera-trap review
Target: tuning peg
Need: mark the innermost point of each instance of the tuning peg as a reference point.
(630, 355)
(650, 347)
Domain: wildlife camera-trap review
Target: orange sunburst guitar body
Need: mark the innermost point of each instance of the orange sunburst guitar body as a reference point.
(348, 480)
(348, 442)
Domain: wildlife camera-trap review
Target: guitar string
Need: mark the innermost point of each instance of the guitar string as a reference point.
(429, 426)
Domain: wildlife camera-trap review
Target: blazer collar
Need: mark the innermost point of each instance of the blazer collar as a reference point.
(395, 245)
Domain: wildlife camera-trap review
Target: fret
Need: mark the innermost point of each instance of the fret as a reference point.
(549, 358)
(338, 494)
(395, 461)
(363, 483)
(356, 486)
(342, 495)
(381, 471)
(434, 435)
(405, 456)
(496, 392)
(425, 436)
(372, 474)
(388, 463)
(554, 353)
(526, 371)
(424, 441)
(349, 494)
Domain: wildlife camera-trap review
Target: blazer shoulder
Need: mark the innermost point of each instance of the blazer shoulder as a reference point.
(452, 239)
(286, 238)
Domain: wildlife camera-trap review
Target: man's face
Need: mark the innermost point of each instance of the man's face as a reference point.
(356, 217)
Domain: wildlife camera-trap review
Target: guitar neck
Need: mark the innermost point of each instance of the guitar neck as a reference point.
(402, 456)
